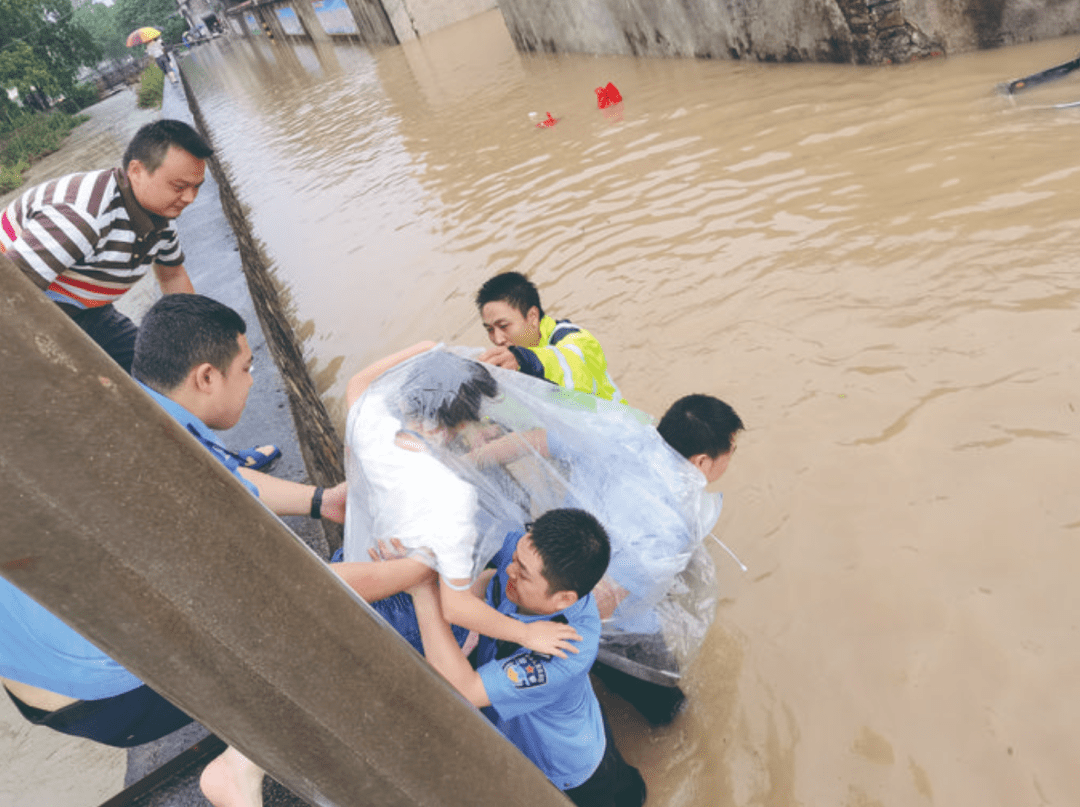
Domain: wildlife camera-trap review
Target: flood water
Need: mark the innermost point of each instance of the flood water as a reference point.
(876, 267)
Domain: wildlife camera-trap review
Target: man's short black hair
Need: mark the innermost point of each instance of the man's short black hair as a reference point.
(446, 389)
(574, 548)
(151, 143)
(512, 288)
(180, 332)
(700, 424)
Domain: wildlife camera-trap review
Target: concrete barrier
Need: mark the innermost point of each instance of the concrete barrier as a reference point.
(853, 31)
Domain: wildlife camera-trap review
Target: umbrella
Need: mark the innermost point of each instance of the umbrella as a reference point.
(142, 36)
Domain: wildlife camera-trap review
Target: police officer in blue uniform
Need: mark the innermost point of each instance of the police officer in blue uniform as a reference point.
(543, 704)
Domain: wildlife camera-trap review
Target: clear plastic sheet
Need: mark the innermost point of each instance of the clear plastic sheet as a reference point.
(448, 456)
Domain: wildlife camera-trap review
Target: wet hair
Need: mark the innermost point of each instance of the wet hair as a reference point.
(700, 424)
(574, 548)
(512, 288)
(180, 332)
(446, 389)
(151, 143)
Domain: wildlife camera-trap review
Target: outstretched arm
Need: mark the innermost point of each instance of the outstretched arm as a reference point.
(465, 609)
(173, 279)
(287, 498)
(440, 648)
(362, 380)
(377, 581)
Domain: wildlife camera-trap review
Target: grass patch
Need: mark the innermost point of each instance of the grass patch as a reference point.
(151, 87)
(34, 137)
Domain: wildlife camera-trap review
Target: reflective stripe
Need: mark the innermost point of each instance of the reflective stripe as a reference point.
(568, 376)
(576, 350)
(616, 394)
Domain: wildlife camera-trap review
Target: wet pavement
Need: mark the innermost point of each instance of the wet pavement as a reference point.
(46, 768)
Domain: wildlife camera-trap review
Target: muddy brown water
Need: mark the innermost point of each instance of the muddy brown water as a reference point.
(876, 267)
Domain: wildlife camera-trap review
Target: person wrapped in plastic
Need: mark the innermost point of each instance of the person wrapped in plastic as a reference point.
(446, 456)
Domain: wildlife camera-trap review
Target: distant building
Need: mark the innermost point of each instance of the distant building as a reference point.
(203, 16)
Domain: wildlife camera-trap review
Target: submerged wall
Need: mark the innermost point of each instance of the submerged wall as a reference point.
(854, 31)
(373, 22)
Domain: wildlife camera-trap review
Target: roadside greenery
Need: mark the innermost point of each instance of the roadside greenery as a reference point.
(41, 50)
(30, 138)
(43, 43)
(151, 86)
(100, 22)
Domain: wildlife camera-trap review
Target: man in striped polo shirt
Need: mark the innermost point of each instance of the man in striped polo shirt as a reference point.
(526, 339)
(86, 238)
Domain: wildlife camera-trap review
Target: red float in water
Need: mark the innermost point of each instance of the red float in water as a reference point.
(607, 96)
(548, 122)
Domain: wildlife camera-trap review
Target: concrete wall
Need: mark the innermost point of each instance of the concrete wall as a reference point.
(855, 31)
(414, 18)
(378, 22)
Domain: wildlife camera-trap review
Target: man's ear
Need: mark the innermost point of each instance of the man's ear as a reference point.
(136, 167)
(202, 377)
(699, 461)
(532, 318)
(564, 599)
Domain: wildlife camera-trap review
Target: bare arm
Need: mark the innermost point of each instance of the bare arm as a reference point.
(465, 609)
(362, 380)
(173, 279)
(512, 446)
(440, 648)
(376, 581)
(286, 498)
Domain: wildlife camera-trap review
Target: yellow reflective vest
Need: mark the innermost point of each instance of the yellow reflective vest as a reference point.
(570, 357)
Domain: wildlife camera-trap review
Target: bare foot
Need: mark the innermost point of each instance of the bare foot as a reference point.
(232, 780)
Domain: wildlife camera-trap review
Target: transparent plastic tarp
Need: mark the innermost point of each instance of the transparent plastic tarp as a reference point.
(449, 455)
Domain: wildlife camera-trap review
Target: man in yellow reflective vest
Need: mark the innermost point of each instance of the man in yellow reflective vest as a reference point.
(528, 340)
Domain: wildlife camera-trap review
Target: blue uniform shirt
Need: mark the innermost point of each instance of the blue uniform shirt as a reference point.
(38, 649)
(543, 704)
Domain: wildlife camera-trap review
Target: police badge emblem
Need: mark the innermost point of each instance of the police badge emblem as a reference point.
(526, 670)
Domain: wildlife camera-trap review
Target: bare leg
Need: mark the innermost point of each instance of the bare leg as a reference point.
(232, 780)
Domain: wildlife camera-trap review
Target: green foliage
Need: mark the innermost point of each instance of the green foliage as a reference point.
(41, 49)
(160, 14)
(151, 86)
(37, 135)
(80, 97)
(11, 176)
(100, 22)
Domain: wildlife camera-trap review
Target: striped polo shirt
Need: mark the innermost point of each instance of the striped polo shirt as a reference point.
(84, 238)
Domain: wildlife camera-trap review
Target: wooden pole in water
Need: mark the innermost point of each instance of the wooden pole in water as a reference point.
(118, 521)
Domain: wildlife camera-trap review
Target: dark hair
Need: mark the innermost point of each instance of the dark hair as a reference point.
(180, 332)
(512, 288)
(700, 424)
(446, 388)
(574, 548)
(151, 143)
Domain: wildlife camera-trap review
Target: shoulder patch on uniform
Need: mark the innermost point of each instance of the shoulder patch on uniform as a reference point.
(526, 670)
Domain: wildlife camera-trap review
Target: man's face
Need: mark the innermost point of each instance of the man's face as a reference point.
(172, 187)
(231, 389)
(526, 586)
(507, 326)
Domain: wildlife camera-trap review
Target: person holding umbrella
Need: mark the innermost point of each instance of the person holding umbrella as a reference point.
(151, 37)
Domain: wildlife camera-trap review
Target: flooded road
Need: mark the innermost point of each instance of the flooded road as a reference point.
(875, 267)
